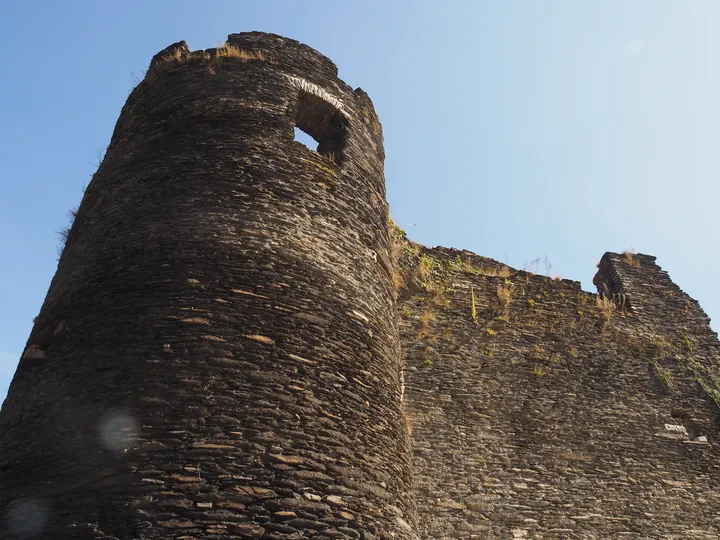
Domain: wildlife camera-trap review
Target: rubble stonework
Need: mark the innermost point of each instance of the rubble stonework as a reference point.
(238, 343)
(553, 419)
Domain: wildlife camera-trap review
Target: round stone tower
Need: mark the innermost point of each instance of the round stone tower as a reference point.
(217, 354)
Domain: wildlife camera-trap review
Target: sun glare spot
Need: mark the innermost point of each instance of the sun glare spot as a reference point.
(26, 517)
(119, 431)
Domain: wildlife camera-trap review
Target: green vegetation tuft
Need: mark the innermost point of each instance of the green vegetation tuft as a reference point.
(687, 344)
(663, 375)
(473, 307)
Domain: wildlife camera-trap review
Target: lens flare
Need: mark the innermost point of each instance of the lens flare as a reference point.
(119, 431)
(27, 517)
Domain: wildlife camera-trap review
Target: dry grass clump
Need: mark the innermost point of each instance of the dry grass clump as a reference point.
(175, 56)
(398, 280)
(628, 256)
(431, 275)
(503, 294)
(211, 56)
(424, 323)
(654, 347)
(466, 265)
(606, 307)
(231, 51)
(495, 272)
(65, 231)
(660, 342)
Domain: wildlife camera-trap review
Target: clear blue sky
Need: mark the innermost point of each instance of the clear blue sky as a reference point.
(513, 129)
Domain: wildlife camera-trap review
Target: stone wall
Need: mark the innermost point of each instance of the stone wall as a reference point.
(217, 355)
(550, 416)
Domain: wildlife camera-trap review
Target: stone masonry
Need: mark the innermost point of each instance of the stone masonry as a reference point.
(238, 343)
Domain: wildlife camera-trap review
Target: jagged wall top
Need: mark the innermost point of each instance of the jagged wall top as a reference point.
(291, 54)
(341, 119)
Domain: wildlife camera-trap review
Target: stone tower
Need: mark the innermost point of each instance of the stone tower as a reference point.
(217, 355)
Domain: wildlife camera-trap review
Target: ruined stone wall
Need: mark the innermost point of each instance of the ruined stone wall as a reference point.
(217, 355)
(548, 416)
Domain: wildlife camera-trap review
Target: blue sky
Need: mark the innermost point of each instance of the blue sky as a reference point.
(513, 129)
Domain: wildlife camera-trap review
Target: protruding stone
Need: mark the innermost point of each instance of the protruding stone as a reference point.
(261, 493)
(34, 352)
(286, 459)
(282, 514)
(213, 446)
(247, 530)
(177, 524)
(59, 328)
(196, 320)
(676, 428)
(261, 339)
(213, 338)
(309, 317)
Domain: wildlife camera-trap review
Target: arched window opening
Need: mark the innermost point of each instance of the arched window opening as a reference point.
(318, 121)
(305, 139)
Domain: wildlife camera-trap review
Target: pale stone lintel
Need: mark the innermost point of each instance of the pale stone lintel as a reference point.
(315, 90)
(676, 428)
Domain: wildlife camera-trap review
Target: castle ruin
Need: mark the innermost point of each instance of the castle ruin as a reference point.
(238, 343)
